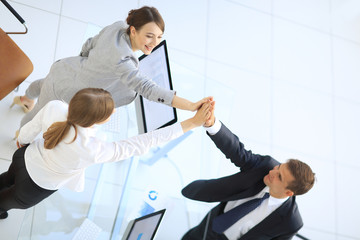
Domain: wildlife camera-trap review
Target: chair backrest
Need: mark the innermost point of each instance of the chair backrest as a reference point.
(15, 66)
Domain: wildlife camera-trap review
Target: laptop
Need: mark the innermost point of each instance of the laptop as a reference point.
(144, 228)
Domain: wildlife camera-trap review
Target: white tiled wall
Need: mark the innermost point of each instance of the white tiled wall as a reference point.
(346, 59)
(302, 55)
(232, 40)
(312, 14)
(284, 74)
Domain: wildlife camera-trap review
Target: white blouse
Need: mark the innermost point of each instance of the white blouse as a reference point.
(64, 165)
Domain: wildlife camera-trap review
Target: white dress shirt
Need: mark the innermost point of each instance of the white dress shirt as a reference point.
(64, 165)
(250, 220)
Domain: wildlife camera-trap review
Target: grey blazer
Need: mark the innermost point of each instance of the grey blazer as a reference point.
(106, 61)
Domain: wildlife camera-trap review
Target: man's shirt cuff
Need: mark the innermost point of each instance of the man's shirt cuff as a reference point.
(214, 128)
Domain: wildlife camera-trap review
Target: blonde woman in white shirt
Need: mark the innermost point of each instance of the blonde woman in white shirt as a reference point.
(69, 146)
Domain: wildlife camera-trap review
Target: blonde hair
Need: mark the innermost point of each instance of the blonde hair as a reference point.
(88, 107)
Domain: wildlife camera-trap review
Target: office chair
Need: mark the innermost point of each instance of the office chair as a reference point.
(15, 66)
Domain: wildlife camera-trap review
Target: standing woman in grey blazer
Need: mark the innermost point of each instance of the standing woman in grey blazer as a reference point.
(107, 61)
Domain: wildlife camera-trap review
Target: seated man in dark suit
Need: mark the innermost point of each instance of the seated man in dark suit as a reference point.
(258, 202)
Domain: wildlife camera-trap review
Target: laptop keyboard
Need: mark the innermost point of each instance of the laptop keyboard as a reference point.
(87, 231)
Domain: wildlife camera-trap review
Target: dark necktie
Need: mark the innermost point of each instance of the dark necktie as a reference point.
(226, 220)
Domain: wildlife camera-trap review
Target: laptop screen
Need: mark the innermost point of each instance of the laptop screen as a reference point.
(154, 115)
(145, 227)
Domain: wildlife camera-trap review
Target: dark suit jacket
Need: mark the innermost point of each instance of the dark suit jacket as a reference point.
(283, 223)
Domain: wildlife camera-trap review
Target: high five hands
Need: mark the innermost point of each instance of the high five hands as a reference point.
(208, 105)
(203, 117)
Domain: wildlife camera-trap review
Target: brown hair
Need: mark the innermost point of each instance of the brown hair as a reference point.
(139, 17)
(88, 107)
(304, 177)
